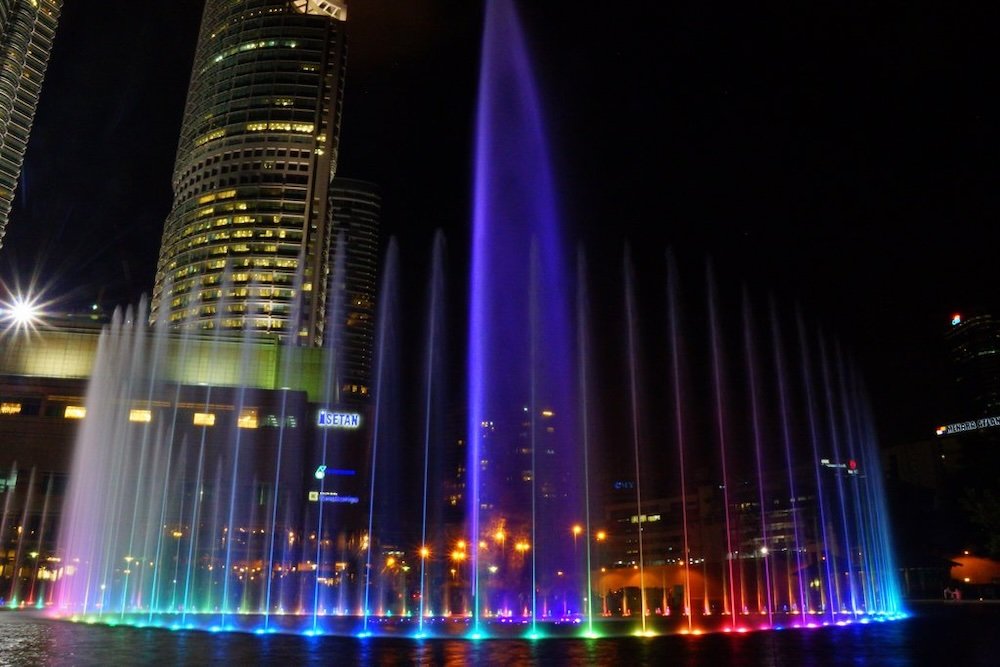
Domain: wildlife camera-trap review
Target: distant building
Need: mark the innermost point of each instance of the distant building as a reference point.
(246, 244)
(26, 33)
(355, 211)
(935, 482)
(973, 343)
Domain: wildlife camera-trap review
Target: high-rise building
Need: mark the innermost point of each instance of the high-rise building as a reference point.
(247, 242)
(355, 210)
(973, 342)
(26, 33)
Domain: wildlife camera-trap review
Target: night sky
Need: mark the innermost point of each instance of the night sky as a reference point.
(839, 156)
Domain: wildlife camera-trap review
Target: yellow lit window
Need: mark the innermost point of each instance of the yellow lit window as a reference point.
(10, 408)
(204, 419)
(211, 136)
(137, 415)
(247, 418)
(75, 412)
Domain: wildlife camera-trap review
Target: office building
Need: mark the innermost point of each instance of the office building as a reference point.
(246, 244)
(355, 210)
(973, 342)
(26, 33)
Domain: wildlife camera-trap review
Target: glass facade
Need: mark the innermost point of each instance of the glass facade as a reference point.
(355, 211)
(27, 28)
(193, 360)
(245, 245)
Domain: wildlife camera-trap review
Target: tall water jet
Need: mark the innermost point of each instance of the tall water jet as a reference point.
(633, 372)
(752, 388)
(521, 383)
(721, 433)
(673, 314)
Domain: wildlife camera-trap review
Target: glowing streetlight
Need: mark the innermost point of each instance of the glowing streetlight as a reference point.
(601, 536)
(425, 552)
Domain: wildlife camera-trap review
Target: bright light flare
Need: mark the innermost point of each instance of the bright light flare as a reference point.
(22, 312)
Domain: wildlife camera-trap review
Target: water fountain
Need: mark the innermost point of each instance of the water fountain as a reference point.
(741, 489)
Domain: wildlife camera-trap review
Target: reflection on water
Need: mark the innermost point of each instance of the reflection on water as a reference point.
(963, 635)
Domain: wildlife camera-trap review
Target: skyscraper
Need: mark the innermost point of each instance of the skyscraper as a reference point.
(26, 33)
(973, 342)
(355, 210)
(247, 242)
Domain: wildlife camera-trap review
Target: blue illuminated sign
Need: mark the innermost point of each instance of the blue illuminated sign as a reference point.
(328, 419)
(331, 497)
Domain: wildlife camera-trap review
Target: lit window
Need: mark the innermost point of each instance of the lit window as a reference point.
(204, 419)
(10, 408)
(144, 416)
(75, 412)
(247, 418)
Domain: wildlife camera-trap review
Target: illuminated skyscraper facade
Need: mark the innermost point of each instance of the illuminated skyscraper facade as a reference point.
(247, 243)
(27, 28)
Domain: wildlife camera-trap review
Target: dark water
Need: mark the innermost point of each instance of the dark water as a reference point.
(954, 635)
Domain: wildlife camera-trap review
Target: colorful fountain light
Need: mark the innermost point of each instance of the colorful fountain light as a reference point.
(721, 502)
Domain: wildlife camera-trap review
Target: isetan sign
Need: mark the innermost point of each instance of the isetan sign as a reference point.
(327, 419)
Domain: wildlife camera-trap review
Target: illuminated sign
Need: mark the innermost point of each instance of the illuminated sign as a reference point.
(851, 466)
(322, 471)
(975, 425)
(331, 497)
(327, 419)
